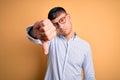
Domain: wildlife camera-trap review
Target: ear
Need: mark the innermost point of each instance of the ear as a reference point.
(68, 16)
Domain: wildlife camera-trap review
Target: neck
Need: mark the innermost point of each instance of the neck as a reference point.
(69, 36)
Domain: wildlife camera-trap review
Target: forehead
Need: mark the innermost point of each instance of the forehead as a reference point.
(59, 17)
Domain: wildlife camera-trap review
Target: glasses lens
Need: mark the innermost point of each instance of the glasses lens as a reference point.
(62, 20)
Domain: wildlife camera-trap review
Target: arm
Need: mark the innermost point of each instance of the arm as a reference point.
(41, 33)
(88, 65)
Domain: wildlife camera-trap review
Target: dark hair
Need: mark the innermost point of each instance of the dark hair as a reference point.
(55, 12)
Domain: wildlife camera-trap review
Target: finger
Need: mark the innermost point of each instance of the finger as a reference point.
(45, 23)
(51, 31)
(38, 35)
(45, 47)
(46, 28)
(52, 35)
(43, 38)
(47, 32)
(36, 25)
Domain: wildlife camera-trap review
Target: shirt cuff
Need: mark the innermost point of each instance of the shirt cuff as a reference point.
(37, 41)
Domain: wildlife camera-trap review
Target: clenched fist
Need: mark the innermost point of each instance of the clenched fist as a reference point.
(45, 31)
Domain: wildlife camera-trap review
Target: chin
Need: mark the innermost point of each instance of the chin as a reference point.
(65, 33)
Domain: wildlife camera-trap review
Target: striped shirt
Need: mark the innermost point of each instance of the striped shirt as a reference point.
(67, 58)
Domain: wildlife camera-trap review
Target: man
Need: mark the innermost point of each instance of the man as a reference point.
(67, 53)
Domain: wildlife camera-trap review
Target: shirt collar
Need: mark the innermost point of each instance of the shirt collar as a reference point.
(75, 35)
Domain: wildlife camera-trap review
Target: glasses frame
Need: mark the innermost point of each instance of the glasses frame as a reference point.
(60, 21)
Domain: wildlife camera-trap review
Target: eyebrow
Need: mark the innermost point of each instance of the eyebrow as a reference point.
(60, 18)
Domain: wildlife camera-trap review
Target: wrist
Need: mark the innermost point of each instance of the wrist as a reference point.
(31, 33)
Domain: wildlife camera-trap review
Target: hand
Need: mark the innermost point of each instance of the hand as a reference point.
(45, 31)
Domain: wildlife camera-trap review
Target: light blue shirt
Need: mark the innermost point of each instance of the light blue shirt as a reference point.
(66, 59)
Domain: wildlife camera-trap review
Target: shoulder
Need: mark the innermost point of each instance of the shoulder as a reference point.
(85, 46)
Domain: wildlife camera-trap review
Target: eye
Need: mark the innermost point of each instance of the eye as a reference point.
(61, 20)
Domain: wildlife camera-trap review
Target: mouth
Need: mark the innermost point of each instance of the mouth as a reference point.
(62, 30)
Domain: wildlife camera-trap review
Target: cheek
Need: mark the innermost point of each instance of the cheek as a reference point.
(68, 23)
(68, 26)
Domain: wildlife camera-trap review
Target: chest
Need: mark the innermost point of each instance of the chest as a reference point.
(67, 52)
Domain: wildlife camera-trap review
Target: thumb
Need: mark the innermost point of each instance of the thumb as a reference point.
(45, 47)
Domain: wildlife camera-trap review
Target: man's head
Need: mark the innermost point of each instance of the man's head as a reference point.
(61, 20)
(55, 12)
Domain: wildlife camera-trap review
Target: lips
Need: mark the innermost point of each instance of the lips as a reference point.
(62, 30)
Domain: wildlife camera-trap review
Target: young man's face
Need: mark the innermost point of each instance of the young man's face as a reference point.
(63, 24)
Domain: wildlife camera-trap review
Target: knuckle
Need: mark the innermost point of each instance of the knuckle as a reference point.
(42, 29)
(43, 34)
(45, 22)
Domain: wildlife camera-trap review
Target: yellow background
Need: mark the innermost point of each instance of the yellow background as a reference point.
(97, 21)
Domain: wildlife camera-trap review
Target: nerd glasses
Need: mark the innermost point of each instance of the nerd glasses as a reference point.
(61, 21)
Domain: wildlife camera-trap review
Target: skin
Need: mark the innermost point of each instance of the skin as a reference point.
(66, 28)
(46, 31)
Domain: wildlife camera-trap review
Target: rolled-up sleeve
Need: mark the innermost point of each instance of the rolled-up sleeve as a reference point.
(37, 41)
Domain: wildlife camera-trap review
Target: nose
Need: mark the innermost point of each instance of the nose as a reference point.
(60, 25)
